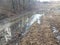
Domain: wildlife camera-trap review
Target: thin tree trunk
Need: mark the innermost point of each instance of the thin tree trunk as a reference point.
(23, 4)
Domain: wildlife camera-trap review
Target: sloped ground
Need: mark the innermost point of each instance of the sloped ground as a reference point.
(42, 34)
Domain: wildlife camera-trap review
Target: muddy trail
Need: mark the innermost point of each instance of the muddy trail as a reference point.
(42, 34)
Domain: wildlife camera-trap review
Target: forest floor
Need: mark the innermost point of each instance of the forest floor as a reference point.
(42, 34)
